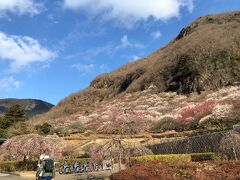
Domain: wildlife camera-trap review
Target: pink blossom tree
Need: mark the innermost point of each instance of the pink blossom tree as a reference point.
(31, 146)
(98, 152)
(121, 121)
(195, 112)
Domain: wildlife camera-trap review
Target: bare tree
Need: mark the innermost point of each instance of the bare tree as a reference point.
(230, 145)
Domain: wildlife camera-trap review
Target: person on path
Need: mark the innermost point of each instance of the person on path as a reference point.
(46, 169)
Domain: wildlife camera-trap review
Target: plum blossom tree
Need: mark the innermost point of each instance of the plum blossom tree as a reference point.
(99, 152)
(120, 122)
(125, 121)
(31, 146)
(196, 111)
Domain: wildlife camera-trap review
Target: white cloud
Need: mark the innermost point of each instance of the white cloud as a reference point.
(52, 19)
(9, 83)
(91, 54)
(124, 43)
(131, 10)
(89, 68)
(108, 49)
(156, 35)
(21, 51)
(134, 58)
(20, 7)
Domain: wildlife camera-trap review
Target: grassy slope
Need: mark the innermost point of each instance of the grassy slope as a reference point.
(204, 56)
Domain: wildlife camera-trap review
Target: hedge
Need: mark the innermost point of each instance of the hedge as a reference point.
(12, 166)
(162, 157)
(71, 160)
(179, 157)
(207, 157)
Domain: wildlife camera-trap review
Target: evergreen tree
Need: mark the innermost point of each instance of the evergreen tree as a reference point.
(14, 114)
(3, 132)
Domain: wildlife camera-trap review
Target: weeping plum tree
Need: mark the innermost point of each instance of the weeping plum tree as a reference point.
(31, 145)
(121, 122)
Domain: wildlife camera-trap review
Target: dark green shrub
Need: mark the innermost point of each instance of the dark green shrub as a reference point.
(179, 157)
(44, 129)
(215, 125)
(8, 166)
(12, 166)
(27, 165)
(162, 157)
(206, 156)
(3, 133)
(71, 160)
(183, 175)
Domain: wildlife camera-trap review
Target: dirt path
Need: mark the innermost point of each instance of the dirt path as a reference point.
(101, 175)
(10, 177)
(58, 177)
(13, 177)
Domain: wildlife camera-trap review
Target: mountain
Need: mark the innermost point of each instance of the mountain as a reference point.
(203, 59)
(32, 106)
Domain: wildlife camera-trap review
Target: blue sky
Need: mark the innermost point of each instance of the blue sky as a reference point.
(50, 49)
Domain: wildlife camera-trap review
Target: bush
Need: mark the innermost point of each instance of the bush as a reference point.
(140, 151)
(3, 133)
(165, 124)
(179, 157)
(44, 129)
(88, 133)
(218, 124)
(207, 157)
(19, 128)
(71, 160)
(162, 157)
(12, 166)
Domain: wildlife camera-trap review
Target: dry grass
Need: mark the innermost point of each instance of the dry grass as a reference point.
(182, 170)
(204, 57)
